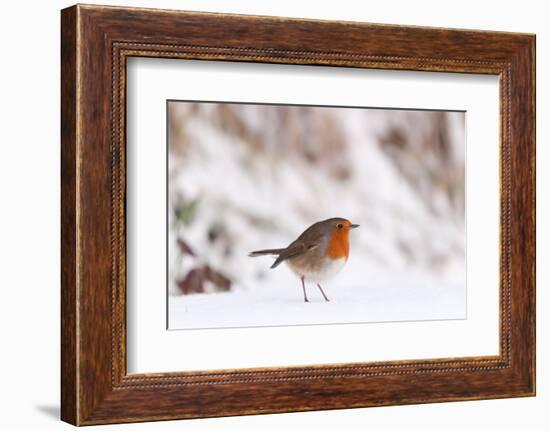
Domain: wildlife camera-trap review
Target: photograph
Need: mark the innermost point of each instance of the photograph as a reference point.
(281, 215)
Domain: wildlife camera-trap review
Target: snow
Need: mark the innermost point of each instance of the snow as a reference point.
(358, 294)
(283, 305)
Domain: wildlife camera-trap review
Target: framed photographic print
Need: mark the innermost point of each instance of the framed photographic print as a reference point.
(264, 214)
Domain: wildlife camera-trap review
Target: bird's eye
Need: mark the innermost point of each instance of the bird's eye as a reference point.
(339, 225)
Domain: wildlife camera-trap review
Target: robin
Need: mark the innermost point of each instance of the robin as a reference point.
(319, 252)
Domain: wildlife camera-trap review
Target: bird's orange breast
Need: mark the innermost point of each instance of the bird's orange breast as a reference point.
(338, 245)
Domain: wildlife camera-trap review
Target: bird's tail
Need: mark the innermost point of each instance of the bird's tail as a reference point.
(270, 251)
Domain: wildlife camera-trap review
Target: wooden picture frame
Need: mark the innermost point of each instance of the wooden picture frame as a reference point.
(96, 41)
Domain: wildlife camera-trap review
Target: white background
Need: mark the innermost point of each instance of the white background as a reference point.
(152, 349)
(29, 228)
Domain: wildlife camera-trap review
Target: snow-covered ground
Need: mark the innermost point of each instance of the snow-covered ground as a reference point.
(397, 297)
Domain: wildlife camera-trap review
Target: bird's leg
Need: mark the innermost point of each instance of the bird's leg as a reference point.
(304, 288)
(324, 296)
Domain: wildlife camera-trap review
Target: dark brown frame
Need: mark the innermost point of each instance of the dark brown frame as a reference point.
(95, 43)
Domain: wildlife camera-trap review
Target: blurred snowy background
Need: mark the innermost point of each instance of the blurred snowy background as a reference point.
(244, 177)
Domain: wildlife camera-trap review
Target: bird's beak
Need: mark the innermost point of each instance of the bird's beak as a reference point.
(353, 226)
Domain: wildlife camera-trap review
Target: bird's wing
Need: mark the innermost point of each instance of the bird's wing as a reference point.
(295, 249)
